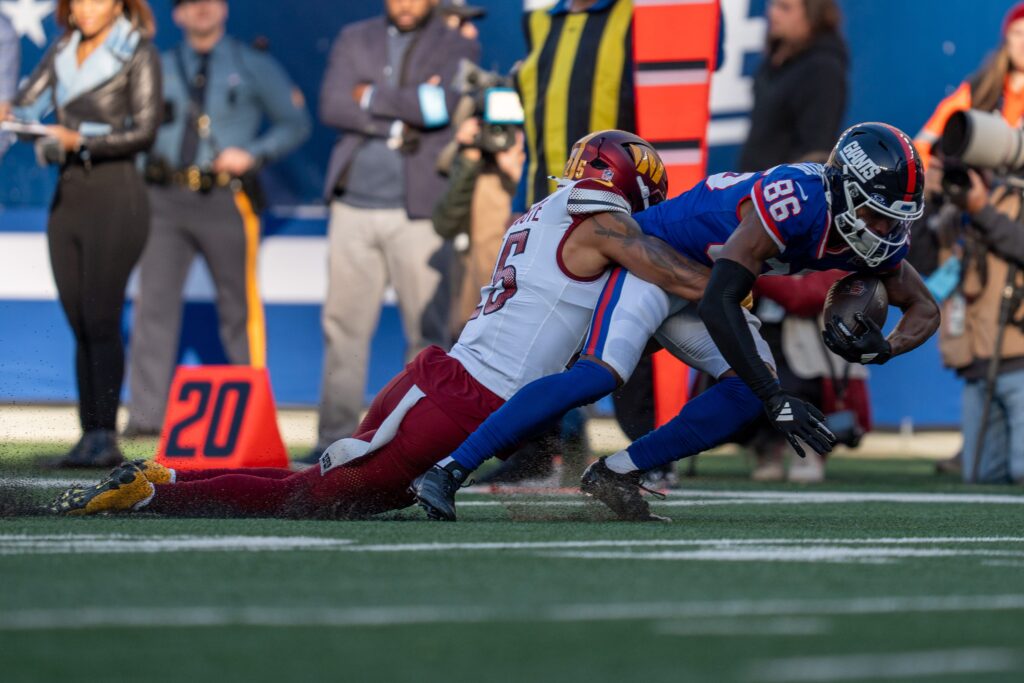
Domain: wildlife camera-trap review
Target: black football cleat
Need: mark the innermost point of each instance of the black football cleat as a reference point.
(620, 492)
(435, 491)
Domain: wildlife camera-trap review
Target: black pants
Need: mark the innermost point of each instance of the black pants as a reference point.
(98, 226)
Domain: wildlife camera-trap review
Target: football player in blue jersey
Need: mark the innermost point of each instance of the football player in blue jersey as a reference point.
(852, 213)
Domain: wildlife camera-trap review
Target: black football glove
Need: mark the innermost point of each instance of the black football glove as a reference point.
(800, 420)
(871, 346)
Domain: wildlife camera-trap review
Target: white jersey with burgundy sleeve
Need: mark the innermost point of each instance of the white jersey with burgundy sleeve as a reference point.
(534, 314)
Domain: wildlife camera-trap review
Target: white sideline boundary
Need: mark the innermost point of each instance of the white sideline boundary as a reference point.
(815, 550)
(209, 616)
(770, 553)
(670, 542)
(68, 544)
(699, 498)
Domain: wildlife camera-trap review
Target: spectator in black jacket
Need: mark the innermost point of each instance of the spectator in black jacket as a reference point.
(800, 90)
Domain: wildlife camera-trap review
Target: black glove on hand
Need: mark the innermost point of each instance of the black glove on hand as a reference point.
(869, 347)
(800, 420)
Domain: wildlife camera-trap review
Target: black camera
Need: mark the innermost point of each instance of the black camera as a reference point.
(955, 181)
(495, 102)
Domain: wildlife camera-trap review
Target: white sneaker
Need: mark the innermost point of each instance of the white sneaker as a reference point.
(806, 470)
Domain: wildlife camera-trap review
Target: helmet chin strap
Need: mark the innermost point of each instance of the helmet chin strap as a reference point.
(645, 192)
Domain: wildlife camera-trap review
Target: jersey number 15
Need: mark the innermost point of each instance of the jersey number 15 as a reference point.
(504, 275)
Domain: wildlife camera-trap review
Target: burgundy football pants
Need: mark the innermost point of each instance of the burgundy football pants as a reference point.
(375, 483)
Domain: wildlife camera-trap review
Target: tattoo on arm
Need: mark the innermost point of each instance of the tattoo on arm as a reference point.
(678, 274)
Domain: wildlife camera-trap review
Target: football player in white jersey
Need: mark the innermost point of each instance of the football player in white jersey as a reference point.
(554, 266)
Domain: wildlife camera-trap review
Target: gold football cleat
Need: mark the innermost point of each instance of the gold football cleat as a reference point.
(126, 489)
(154, 471)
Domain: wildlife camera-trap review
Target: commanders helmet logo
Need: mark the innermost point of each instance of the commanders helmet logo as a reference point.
(647, 163)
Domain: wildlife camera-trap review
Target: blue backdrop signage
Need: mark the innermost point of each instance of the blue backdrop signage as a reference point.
(905, 57)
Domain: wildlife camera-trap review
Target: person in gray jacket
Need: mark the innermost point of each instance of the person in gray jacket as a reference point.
(386, 90)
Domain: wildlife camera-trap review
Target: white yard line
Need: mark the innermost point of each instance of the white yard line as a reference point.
(712, 542)
(158, 617)
(825, 553)
(23, 544)
(49, 482)
(917, 664)
(1003, 563)
(856, 496)
(720, 549)
(698, 497)
(780, 626)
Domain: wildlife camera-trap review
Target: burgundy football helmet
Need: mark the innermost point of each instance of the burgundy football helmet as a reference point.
(626, 161)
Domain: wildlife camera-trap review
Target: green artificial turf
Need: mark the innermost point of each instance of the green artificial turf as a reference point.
(388, 604)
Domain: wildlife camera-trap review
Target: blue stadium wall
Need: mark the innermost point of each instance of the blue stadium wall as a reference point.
(905, 56)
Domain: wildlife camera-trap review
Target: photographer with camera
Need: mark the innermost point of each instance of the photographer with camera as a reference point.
(984, 340)
(980, 253)
(484, 164)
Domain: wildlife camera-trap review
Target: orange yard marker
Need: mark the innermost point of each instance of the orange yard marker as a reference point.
(221, 416)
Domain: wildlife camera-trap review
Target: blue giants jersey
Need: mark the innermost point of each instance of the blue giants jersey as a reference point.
(792, 201)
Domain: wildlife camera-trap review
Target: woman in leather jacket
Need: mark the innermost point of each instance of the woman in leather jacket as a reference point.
(102, 79)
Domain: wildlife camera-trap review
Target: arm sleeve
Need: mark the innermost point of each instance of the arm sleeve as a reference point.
(1003, 235)
(421, 105)
(721, 309)
(282, 102)
(146, 96)
(337, 108)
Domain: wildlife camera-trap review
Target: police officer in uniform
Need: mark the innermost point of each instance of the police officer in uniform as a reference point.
(204, 196)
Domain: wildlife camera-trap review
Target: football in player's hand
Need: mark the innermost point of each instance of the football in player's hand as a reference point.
(857, 293)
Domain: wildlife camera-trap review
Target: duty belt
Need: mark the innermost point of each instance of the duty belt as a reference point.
(198, 180)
